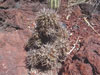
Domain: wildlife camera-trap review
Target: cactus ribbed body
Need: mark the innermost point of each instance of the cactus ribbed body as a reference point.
(54, 4)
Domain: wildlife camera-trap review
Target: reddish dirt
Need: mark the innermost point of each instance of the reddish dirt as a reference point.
(85, 58)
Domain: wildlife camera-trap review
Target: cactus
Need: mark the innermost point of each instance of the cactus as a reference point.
(48, 45)
(54, 4)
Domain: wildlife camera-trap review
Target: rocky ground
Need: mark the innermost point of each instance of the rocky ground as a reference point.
(17, 18)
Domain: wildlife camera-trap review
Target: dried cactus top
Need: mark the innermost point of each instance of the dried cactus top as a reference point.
(47, 18)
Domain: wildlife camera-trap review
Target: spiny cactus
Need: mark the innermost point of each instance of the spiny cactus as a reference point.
(48, 45)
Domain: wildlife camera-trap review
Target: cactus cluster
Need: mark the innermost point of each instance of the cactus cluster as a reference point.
(48, 45)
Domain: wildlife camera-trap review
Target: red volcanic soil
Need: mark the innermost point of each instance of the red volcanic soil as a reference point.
(16, 21)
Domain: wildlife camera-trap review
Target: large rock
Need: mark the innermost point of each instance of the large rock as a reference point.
(12, 41)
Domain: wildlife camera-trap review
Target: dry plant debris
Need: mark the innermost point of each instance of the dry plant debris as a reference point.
(85, 19)
(76, 2)
(74, 45)
(48, 46)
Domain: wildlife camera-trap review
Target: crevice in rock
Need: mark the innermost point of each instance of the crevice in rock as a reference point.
(93, 68)
(86, 60)
(1, 7)
(75, 57)
(4, 27)
(17, 0)
(96, 52)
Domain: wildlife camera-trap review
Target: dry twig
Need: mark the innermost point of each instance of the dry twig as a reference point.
(85, 19)
(73, 46)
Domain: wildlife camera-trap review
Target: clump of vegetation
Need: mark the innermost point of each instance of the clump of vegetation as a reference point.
(48, 46)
